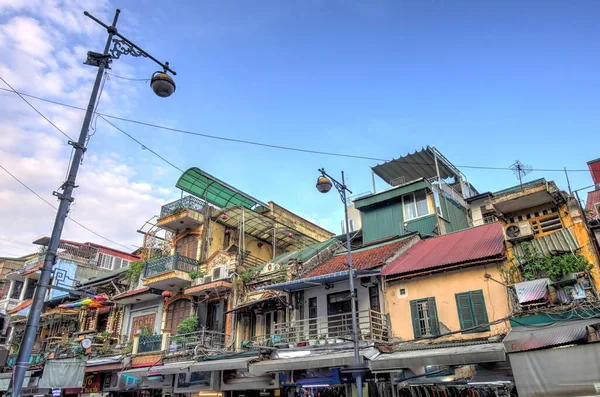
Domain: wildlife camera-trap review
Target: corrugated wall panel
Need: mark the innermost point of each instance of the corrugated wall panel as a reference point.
(456, 216)
(425, 225)
(382, 222)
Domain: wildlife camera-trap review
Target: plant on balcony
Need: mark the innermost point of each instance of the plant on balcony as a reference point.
(145, 330)
(535, 265)
(197, 274)
(187, 326)
(16, 342)
(135, 271)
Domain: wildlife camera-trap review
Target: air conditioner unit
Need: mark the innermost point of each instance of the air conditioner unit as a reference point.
(220, 273)
(518, 231)
(207, 279)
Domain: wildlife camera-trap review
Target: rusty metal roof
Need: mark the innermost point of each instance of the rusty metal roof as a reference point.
(593, 198)
(537, 337)
(471, 245)
(529, 291)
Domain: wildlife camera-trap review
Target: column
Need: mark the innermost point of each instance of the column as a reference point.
(25, 285)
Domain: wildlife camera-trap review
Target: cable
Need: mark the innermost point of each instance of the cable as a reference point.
(281, 147)
(17, 242)
(127, 78)
(68, 216)
(33, 107)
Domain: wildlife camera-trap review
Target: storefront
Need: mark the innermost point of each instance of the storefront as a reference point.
(140, 382)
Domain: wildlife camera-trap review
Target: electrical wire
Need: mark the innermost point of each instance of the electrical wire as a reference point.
(17, 242)
(55, 208)
(127, 78)
(272, 146)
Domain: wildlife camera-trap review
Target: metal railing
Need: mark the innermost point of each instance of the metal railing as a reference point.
(449, 191)
(337, 328)
(151, 343)
(173, 262)
(185, 203)
(203, 341)
(7, 304)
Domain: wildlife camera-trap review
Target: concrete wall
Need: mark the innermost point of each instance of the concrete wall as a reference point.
(141, 309)
(294, 221)
(444, 286)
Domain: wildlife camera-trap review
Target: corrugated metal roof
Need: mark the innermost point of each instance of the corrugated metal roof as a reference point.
(518, 188)
(529, 338)
(362, 259)
(529, 291)
(304, 254)
(470, 245)
(20, 306)
(593, 198)
(594, 166)
(557, 242)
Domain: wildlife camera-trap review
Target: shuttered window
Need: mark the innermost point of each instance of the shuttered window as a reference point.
(424, 317)
(471, 311)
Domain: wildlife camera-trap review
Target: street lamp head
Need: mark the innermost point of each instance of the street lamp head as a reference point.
(324, 184)
(162, 84)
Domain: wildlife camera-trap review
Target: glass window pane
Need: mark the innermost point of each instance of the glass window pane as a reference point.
(422, 207)
(410, 210)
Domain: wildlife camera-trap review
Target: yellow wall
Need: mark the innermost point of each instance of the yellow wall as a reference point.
(302, 225)
(444, 286)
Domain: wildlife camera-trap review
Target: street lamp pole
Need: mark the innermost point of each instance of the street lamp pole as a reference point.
(161, 86)
(324, 184)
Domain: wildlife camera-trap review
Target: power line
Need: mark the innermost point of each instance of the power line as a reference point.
(126, 78)
(17, 242)
(51, 205)
(272, 146)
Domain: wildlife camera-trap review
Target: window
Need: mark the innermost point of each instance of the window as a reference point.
(415, 204)
(105, 261)
(270, 321)
(118, 263)
(424, 317)
(177, 312)
(16, 292)
(471, 311)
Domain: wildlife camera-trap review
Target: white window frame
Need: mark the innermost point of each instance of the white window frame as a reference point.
(415, 206)
(105, 261)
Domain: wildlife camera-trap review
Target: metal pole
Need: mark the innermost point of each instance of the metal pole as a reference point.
(65, 198)
(359, 391)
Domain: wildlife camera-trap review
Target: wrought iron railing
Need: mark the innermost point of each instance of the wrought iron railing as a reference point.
(449, 191)
(185, 203)
(337, 328)
(200, 341)
(173, 262)
(151, 343)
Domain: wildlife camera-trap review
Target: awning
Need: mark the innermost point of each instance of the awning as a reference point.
(63, 374)
(558, 242)
(5, 380)
(311, 282)
(207, 187)
(537, 337)
(222, 365)
(105, 360)
(530, 291)
(332, 360)
(249, 304)
(456, 355)
(168, 369)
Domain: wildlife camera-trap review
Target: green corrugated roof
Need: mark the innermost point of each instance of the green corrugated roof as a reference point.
(205, 186)
(389, 194)
(304, 254)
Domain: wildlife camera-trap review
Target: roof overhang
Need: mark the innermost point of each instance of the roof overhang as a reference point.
(143, 294)
(332, 360)
(318, 281)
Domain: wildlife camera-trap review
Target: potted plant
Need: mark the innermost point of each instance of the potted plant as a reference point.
(322, 339)
(313, 340)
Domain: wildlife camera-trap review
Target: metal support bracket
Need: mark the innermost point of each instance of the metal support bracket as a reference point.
(77, 145)
(62, 196)
(97, 59)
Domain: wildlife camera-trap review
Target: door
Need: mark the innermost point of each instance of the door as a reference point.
(339, 314)
(312, 315)
(213, 322)
(187, 246)
(140, 322)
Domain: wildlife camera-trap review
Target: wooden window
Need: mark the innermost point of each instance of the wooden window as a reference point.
(141, 321)
(187, 246)
(471, 311)
(177, 312)
(424, 317)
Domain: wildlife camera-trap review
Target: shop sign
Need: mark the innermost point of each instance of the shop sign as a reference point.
(91, 383)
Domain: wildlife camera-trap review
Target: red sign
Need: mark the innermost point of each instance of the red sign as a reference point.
(91, 383)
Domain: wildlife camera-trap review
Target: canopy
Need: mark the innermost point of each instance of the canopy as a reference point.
(66, 373)
(211, 189)
(310, 282)
(330, 360)
(5, 380)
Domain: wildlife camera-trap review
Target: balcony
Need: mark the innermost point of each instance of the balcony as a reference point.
(8, 304)
(196, 344)
(169, 271)
(328, 330)
(149, 344)
(185, 213)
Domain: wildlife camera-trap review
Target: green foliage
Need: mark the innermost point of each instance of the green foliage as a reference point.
(146, 330)
(135, 271)
(197, 274)
(535, 265)
(16, 342)
(187, 326)
(247, 275)
(128, 348)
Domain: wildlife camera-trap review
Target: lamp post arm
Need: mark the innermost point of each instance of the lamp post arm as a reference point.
(340, 186)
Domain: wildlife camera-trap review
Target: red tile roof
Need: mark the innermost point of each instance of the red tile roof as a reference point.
(362, 259)
(592, 198)
(470, 245)
(131, 293)
(33, 269)
(20, 307)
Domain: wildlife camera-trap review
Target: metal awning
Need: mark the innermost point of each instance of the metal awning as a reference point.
(252, 303)
(167, 369)
(222, 365)
(213, 190)
(454, 355)
(305, 283)
(420, 164)
(331, 360)
(547, 335)
(5, 380)
(558, 242)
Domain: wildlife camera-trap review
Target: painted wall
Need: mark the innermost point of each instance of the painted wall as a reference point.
(142, 309)
(294, 221)
(444, 286)
(455, 216)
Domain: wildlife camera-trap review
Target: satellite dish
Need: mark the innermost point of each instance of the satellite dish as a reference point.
(86, 343)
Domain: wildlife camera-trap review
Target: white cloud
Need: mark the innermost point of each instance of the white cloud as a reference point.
(43, 44)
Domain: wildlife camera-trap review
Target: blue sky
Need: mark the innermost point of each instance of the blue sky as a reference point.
(486, 82)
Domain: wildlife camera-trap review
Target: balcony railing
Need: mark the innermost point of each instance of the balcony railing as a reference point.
(168, 263)
(201, 342)
(151, 343)
(7, 304)
(337, 328)
(185, 203)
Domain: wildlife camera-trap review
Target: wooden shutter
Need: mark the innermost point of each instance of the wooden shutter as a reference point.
(414, 312)
(479, 310)
(434, 326)
(465, 313)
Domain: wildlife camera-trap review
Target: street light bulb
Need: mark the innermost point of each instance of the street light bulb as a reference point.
(323, 184)
(162, 84)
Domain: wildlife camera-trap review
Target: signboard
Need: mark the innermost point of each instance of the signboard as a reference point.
(91, 383)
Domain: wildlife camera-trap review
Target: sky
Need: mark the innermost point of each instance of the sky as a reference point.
(485, 82)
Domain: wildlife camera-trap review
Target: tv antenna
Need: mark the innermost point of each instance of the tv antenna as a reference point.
(520, 170)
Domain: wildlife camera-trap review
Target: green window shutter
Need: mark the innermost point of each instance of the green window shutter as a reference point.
(433, 317)
(479, 310)
(414, 312)
(465, 313)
